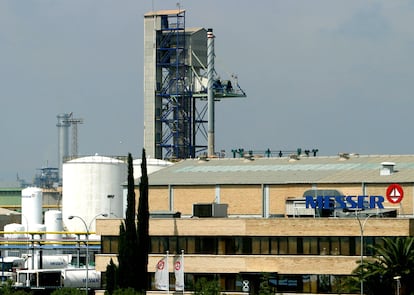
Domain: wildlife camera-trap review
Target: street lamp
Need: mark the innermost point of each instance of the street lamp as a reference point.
(87, 242)
(29, 236)
(361, 227)
(110, 197)
(397, 278)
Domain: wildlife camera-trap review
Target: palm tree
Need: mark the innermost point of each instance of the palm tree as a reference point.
(394, 257)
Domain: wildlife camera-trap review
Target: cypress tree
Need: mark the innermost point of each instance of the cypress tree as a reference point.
(128, 263)
(111, 276)
(143, 227)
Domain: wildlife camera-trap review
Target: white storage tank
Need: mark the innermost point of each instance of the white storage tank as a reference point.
(16, 231)
(75, 278)
(92, 186)
(152, 166)
(59, 261)
(32, 199)
(38, 228)
(53, 222)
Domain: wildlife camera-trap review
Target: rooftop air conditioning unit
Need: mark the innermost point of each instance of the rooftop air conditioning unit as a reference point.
(210, 210)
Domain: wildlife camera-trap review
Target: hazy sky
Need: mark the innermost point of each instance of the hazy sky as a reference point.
(332, 75)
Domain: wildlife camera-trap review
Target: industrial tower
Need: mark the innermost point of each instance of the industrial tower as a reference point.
(64, 122)
(177, 78)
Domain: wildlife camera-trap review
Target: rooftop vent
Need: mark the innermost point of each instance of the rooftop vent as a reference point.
(387, 168)
(293, 157)
(347, 156)
(344, 156)
(248, 157)
(203, 158)
(210, 210)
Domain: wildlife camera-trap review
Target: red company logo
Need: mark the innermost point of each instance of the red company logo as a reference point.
(160, 265)
(177, 265)
(395, 193)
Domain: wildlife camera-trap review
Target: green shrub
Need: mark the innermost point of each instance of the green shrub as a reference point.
(207, 287)
(129, 291)
(68, 291)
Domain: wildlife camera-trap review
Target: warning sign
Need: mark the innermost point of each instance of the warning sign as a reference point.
(395, 193)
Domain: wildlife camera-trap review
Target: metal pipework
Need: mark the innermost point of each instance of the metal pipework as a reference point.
(210, 91)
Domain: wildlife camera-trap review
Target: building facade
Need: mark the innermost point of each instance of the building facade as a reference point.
(240, 220)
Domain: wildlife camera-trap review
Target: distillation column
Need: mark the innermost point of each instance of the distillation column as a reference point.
(63, 139)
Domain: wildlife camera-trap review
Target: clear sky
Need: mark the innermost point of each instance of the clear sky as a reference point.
(332, 75)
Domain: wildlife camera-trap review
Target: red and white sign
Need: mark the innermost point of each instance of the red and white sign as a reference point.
(395, 193)
(161, 264)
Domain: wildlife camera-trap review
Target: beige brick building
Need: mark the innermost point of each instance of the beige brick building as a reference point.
(237, 219)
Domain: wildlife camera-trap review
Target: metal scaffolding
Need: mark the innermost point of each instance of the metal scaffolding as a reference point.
(177, 109)
(175, 87)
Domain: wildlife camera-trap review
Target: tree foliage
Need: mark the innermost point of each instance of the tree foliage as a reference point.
(143, 227)
(128, 291)
(7, 289)
(265, 288)
(128, 263)
(68, 291)
(133, 242)
(393, 258)
(111, 277)
(203, 286)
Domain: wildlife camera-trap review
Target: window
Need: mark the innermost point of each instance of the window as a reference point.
(260, 245)
(206, 245)
(348, 246)
(109, 244)
(310, 246)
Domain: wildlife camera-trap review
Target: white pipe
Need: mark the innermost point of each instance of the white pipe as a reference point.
(210, 92)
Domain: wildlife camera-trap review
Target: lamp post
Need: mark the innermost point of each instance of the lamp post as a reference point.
(29, 236)
(87, 243)
(397, 278)
(110, 197)
(361, 227)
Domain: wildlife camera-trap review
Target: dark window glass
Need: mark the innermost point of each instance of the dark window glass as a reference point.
(206, 245)
(283, 246)
(274, 245)
(345, 247)
(247, 245)
(292, 245)
(335, 246)
(260, 245)
(109, 244)
(324, 245)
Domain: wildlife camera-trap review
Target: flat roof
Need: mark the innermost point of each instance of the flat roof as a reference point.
(285, 170)
(165, 12)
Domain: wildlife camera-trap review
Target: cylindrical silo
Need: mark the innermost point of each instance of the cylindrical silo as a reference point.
(14, 231)
(92, 186)
(32, 198)
(38, 228)
(152, 166)
(63, 125)
(53, 222)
